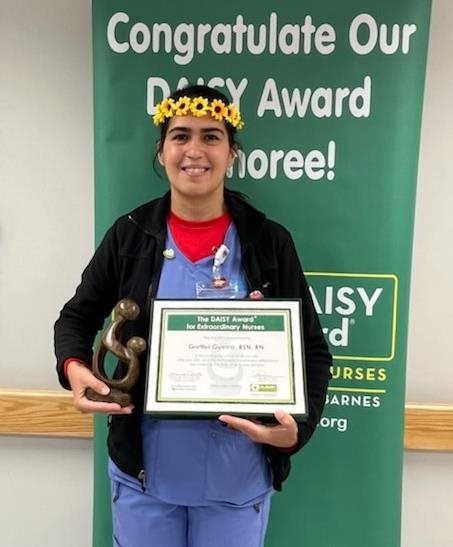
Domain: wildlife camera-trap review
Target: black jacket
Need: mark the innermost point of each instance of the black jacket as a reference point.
(127, 264)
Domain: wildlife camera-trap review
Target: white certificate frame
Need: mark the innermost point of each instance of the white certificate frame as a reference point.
(220, 346)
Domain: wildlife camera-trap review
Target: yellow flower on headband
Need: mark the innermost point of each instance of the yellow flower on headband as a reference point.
(234, 117)
(163, 110)
(166, 106)
(218, 110)
(199, 107)
(159, 116)
(182, 106)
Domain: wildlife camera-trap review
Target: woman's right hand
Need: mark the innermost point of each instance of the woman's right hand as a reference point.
(80, 378)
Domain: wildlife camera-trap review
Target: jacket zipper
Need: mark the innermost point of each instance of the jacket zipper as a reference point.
(158, 260)
(246, 272)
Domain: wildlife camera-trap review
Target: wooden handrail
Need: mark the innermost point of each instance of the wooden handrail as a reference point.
(46, 413)
(428, 427)
(51, 414)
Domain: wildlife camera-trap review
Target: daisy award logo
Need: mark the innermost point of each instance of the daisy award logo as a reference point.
(357, 312)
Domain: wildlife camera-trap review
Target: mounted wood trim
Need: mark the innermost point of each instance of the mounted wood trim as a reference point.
(428, 427)
(47, 413)
(51, 414)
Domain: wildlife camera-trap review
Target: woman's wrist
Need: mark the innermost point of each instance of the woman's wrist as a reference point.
(70, 360)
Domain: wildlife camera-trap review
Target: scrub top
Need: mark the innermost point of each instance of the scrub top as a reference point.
(200, 462)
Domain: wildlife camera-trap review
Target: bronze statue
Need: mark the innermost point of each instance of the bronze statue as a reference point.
(125, 310)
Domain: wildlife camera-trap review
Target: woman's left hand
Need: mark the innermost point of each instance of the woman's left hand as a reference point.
(283, 434)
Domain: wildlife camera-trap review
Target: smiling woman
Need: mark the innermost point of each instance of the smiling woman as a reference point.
(196, 148)
(196, 154)
(191, 482)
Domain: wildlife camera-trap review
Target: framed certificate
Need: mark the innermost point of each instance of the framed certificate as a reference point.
(211, 357)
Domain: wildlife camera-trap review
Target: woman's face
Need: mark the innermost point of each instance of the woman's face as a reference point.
(196, 154)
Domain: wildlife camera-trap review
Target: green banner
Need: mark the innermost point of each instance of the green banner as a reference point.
(331, 94)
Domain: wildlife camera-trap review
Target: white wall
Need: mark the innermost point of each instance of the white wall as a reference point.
(47, 492)
(46, 200)
(46, 176)
(428, 478)
(430, 376)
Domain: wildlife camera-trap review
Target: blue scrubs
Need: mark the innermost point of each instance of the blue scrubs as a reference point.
(206, 485)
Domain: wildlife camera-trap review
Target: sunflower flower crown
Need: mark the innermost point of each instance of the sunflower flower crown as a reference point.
(198, 107)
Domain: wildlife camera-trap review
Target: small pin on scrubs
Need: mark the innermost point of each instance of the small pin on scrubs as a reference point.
(169, 253)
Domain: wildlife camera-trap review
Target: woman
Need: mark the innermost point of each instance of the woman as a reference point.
(181, 483)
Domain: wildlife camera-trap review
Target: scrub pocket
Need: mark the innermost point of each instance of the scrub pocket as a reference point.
(237, 469)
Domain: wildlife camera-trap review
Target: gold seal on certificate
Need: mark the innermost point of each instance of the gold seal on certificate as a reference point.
(211, 357)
